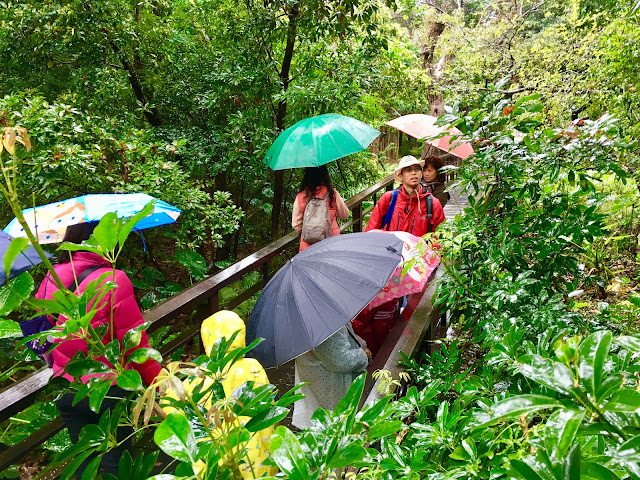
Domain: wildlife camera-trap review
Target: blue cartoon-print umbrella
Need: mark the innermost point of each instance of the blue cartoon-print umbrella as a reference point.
(50, 221)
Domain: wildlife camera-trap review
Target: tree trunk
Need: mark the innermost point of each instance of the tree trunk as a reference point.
(281, 113)
(435, 98)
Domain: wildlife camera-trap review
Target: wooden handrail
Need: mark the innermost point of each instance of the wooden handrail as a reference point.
(23, 393)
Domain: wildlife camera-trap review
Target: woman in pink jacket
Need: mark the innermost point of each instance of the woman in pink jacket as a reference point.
(126, 315)
(317, 183)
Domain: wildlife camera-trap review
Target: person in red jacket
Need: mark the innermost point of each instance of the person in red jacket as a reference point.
(409, 215)
(410, 211)
(126, 315)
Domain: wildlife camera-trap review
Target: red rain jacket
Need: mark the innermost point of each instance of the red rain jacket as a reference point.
(409, 214)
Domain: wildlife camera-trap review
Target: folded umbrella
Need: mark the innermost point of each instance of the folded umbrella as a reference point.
(318, 291)
(318, 140)
(50, 221)
(418, 263)
(24, 260)
(419, 125)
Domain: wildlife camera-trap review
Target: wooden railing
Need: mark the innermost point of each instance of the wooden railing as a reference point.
(202, 298)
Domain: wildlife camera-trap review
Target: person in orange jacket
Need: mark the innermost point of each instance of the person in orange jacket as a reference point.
(410, 214)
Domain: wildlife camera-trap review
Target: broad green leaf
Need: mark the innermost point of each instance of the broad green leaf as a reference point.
(132, 337)
(629, 342)
(85, 366)
(267, 418)
(15, 292)
(74, 247)
(287, 453)
(524, 470)
(553, 375)
(626, 400)
(175, 437)
(512, 407)
(560, 430)
(596, 471)
(70, 470)
(347, 456)
(593, 354)
(9, 329)
(352, 398)
(130, 380)
(572, 464)
(106, 232)
(16, 246)
(98, 392)
(91, 470)
(384, 429)
(141, 355)
(629, 451)
(112, 351)
(125, 230)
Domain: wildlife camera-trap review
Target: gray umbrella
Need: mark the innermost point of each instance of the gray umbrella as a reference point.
(318, 291)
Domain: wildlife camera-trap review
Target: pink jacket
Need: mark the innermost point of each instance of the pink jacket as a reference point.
(126, 313)
(339, 210)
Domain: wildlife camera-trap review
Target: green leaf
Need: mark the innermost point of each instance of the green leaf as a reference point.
(130, 380)
(512, 407)
(152, 274)
(9, 329)
(626, 400)
(106, 232)
(348, 455)
(133, 336)
(16, 291)
(126, 228)
(141, 355)
(112, 351)
(629, 451)
(630, 343)
(572, 464)
(266, 419)
(98, 392)
(593, 354)
(595, 471)
(287, 453)
(553, 375)
(352, 398)
(384, 429)
(85, 366)
(91, 470)
(561, 429)
(16, 246)
(524, 470)
(175, 437)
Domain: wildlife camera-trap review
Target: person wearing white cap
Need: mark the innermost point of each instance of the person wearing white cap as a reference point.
(410, 209)
(404, 209)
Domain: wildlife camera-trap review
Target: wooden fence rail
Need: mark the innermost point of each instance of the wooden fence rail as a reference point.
(202, 298)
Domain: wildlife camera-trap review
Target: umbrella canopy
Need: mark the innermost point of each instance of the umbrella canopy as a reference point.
(318, 140)
(24, 260)
(423, 262)
(419, 125)
(318, 291)
(50, 221)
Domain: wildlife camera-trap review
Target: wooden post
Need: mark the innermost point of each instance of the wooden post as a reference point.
(214, 303)
(357, 217)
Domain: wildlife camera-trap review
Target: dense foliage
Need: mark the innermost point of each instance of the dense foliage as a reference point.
(539, 379)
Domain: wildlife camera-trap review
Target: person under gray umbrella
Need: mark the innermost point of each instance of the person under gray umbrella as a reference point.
(305, 310)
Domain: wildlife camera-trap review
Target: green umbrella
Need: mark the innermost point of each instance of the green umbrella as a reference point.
(318, 140)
